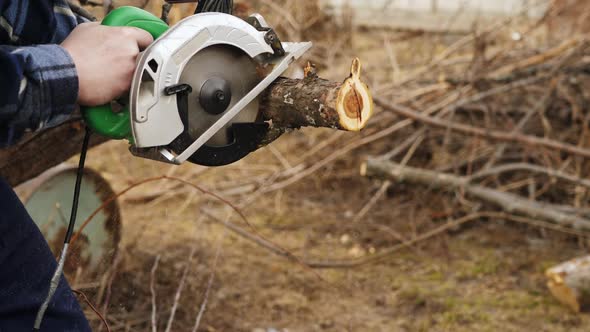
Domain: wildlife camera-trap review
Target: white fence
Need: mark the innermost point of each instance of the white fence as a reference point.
(434, 15)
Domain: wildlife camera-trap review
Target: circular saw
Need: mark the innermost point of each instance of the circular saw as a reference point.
(194, 94)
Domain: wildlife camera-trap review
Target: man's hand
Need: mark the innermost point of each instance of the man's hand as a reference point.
(105, 60)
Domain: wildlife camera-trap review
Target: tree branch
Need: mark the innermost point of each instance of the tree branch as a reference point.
(483, 132)
(509, 202)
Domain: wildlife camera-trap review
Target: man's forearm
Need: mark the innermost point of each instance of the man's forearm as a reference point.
(92, 66)
(39, 83)
(40, 88)
(29, 22)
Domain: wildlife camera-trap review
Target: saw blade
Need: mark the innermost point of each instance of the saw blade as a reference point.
(229, 64)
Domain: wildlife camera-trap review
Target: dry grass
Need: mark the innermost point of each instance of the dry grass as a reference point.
(304, 193)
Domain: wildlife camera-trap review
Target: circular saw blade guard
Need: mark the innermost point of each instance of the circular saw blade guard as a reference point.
(198, 48)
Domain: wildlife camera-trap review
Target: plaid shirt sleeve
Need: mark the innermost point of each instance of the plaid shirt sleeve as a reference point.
(38, 80)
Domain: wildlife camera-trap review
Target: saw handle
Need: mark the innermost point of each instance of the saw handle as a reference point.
(101, 119)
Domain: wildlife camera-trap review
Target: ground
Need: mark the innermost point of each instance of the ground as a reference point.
(487, 275)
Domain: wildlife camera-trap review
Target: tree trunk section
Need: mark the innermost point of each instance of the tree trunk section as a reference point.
(40, 151)
(569, 282)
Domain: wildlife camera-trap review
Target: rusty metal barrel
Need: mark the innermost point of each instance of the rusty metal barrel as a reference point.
(48, 199)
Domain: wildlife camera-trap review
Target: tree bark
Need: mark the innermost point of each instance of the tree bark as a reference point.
(287, 104)
(569, 282)
(40, 151)
(315, 102)
(508, 202)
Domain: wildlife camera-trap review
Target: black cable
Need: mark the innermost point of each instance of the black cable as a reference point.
(218, 6)
(79, 176)
(59, 269)
(166, 7)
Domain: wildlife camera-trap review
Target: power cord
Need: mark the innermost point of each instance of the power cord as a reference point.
(218, 6)
(64, 252)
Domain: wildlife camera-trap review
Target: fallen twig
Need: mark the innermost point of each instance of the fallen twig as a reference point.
(506, 168)
(205, 301)
(87, 301)
(388, 253)
(153, 294)
(509, 202)
(179, 289)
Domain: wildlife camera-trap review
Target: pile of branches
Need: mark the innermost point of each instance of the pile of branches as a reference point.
(504, 125)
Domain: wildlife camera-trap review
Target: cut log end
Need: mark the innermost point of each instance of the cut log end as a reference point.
(569, 282)
(355, 103)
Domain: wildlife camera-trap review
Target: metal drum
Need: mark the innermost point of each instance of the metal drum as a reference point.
(48, 199)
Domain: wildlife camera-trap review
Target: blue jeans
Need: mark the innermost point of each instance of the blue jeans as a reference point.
(26, 267)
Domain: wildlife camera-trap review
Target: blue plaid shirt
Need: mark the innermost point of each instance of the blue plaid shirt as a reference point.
(38, 80)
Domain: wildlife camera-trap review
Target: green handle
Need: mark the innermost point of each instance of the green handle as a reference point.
(102, 119)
